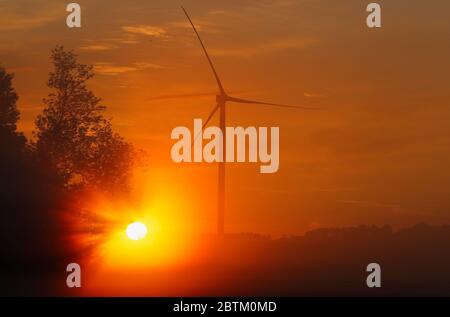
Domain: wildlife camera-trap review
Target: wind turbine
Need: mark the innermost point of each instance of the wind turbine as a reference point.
(222, 98)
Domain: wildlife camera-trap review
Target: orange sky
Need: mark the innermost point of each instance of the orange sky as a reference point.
(377, 154)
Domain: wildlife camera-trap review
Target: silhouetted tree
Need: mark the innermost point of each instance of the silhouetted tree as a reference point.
(10, 139)
(73, 133)
(12, 143)
(30, 200)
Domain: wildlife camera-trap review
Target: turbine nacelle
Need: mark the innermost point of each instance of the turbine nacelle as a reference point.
(222, 99)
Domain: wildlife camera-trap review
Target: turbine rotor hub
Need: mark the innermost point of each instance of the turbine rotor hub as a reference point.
(221, 99)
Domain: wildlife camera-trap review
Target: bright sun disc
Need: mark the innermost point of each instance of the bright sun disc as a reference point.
(136, 231)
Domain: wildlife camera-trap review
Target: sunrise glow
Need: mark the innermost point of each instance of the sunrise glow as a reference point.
(136, 231)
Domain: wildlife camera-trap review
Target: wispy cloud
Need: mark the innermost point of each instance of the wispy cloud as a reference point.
(264, 47)
(108, 44)
(392, 207)
(312, 95)
(203, 25)
(105, 68)
(148, 30)
(98, 47)
(183, 96)
(194, 95)
(127, 38)
(145, 65)
(12, 20)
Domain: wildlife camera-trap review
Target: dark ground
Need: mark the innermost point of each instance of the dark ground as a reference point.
(324, 262)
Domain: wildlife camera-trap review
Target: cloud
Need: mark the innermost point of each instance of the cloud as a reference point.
(147, 30)
(126, 39)
(98, 47)
(105, 68)
(392, 207)
(395, 208)
(194, 95)
(264, 47)
(12, 21)
(110, 43)
(202, 25)
(183, 96)
(111, 69)
(312, 95)
(145, 65)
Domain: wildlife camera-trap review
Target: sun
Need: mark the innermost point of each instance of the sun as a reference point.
(136, 230)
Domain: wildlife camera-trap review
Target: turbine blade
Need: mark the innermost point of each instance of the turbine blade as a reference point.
(210, 116)
(222, 91)
(240, 100)
(205, 124)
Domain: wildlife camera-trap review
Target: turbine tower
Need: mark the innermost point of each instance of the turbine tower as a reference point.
(221, 100)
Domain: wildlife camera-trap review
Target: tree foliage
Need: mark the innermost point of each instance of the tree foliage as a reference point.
(73, 132)
(30, 194)
(9, 115)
